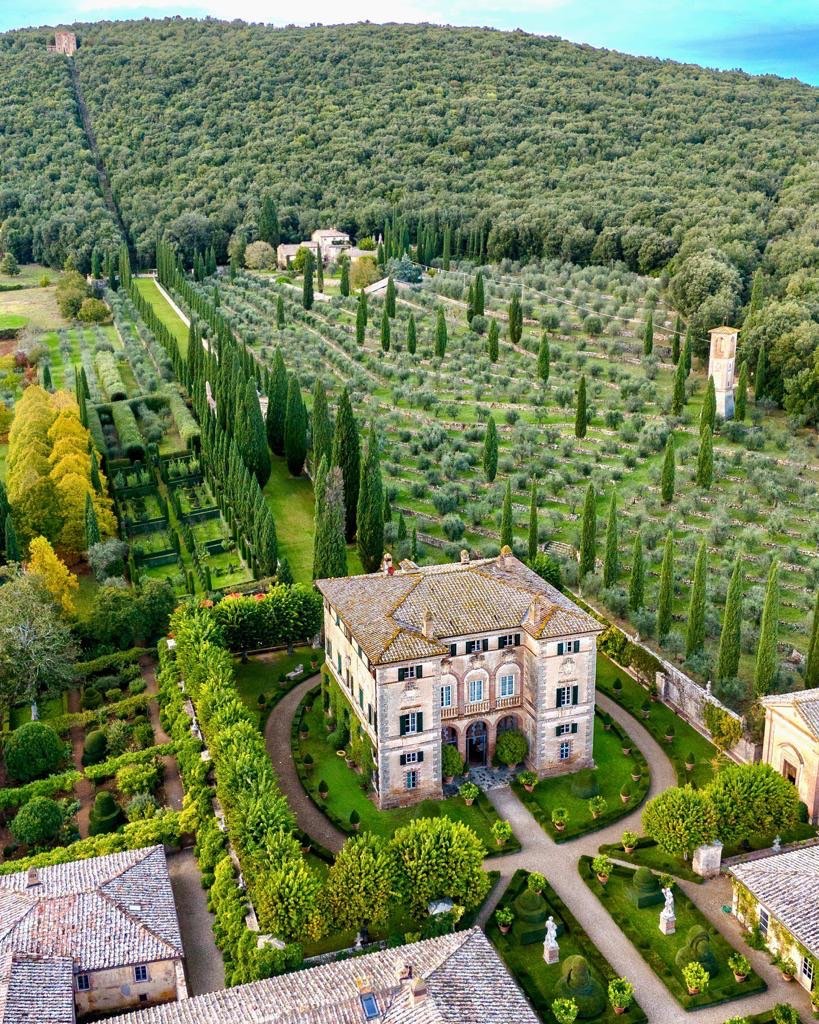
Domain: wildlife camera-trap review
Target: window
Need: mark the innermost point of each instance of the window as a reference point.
(411, 672)
(474, 646)
(475, 690)
(413, 757)
(369, 1005)
(453, 650)
(807, 970)
(328, 644)
(140, 972)
(411, 779)
(446, 696)
(566, 729)
(566, 696)
(83, 983)
(411, 723)
(510, 640)
(370, 713)
(507, 686)
(565, 750)
(568, 647)
(763, 921)
(361, 698)
(338, 662)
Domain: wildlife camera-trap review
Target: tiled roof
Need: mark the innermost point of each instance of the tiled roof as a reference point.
(101, 912)
(36, 989)
(467, 983)
(806, 703)
(787, 885)
(385, 613)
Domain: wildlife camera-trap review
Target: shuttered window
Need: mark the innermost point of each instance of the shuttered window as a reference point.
(411, 723)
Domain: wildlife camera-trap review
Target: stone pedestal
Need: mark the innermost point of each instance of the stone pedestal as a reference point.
(551, 954)
(668, 924)
(707, 860)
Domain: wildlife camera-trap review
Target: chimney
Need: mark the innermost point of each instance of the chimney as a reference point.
(426, 627)
(32, 878)
(538, 610)
(403, 972)
(388, 567)
(505, 556)
(417, 991)
(464, 557)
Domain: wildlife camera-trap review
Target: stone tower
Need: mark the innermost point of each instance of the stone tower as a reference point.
(721, 363)
(64, 42)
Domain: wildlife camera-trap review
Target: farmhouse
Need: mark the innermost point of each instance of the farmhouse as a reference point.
(778, 893)
(456, 977)
(791, 742)
(285, 254)
(331, 242)
(458, 654)
(90, 936)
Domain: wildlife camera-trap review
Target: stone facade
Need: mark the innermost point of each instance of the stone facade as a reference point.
(471, 685)
(721, 365)
(64, 42)
(127, 988)
(791, 743)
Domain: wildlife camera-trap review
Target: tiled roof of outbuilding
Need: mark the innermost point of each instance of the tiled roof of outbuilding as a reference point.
(806, 703)
(467, 983)
(385, 613)
(36, 989)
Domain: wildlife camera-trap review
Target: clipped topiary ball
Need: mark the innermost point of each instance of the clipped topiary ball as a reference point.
(33, 751)
(94, 748)
(578, 983)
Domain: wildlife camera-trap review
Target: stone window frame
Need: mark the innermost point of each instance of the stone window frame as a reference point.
(513, 676)
(565, 745)
(806, 969)
(83, 983)
(477, 681)
(411, 779)
(141, 973)
(448, 687)
(568, 647)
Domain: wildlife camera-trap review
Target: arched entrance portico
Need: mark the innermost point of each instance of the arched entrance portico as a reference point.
(508, 723)
(477, 745)
(449, 736)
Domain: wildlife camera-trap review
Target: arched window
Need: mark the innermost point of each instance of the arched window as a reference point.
(449, 736)
(507, 723)
(476, 744)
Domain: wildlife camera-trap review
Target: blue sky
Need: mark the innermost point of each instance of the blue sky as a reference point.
(760, 36)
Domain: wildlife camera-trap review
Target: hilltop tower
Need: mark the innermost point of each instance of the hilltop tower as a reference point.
(721, 364)
(64, 42)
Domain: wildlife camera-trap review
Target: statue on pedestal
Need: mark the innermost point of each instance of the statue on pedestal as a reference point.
(668, 919)
(551, 950)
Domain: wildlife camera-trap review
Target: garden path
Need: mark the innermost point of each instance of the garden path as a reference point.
(277, 741)
(203, 961)
(171, 782)
(83, 789)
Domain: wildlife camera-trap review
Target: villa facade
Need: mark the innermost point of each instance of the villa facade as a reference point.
(457, 654)
(791, 742)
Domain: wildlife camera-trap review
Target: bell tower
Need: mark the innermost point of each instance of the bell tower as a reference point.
(721, 365)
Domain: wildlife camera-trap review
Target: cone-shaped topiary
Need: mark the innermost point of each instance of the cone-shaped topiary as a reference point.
(106, 815)
(578, 983)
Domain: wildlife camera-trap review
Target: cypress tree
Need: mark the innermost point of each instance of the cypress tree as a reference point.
(96, 264)
(447, 248)
(580, 421)
(12, 544)
(760, 378)
(695, 632)
(414, 543)
(688, 349)
(479, 295)
(492, 340)
(379, 255)
(543, 359)
(320, 274)
(385, 330)
(490, 450)
(47, 382)
(96, 482)
(812, 660)
(401, 534)
(588, 532)
(370, 512)
(470, 303)
(675, 341)
(665, 595)
(361, 318)
(648, 333)
(329, 548)
(321, 426)
(295, 428)
(344, 280)
(347, 456)
(389, 300)
(756, 292)
(256, 453)
(277, 404)
(669, 471)
(708, 413)
(307, 283)
(269, 230)
(611, 563)
(412, 339)
(506, 525)
(92, 528)
(729, 640)
(741, 403)
(387, 508)
(767, 660)
(532, 540)
(637, 581)
(678, 399)
(705, 460)
(279, 312)
(440, 334)
(515, 319)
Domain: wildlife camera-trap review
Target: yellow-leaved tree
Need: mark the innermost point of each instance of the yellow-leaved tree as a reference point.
(52, 573)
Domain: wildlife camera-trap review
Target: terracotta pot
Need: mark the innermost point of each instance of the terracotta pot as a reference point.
(469, 800)
(560, 826)
(693, 991)
(602, 879)
(500, 842)
(787, 977)
(626, 751)
(628, 849)
(637, 777)
(529, 787)
(305, 848)
(739, 977)
(504, 928)
(595, 814)
(625, 799)
(689, 767)
(619, 1009)
(607, 726)
(356, 827)
(668, 738)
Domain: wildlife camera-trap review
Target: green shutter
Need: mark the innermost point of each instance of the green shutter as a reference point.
(557, 731)
(419, 721)
(575, 694)
(402, 675)
(419, 671)
(403, 722)
(574, 727)
(559, 697)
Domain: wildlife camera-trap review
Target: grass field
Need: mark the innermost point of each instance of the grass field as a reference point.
(260, 676)
(147, 287)
(36, 304)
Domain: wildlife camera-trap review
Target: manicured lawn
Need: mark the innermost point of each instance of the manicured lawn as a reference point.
(648, 854)
(147, 287)
(346, 792)
(659, 951)
(257, 676)
(12, 321)
(51, 708)
(538, 979)
(573, 792)
(291, 502)
(686, 740)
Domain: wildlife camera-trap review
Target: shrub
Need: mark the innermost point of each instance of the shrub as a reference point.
(140, 807)
(601, 865)
(512, 747)
(535, 882)
(355, 818)
(739, 964)
(629, 839)
(130, 438)
(502, 831)
(468, 790)
(91, 699)
(560, 815)
(93, 311)
(109, 377)
(260, 256)
(451, 761)
(580, 986)
(527, 778)
(565, 1011)
(137, 686)
(138, 778)
(504, 916)
(598, 806)
(94, 748)
(37, 822)
(621, 993)
(784, 1013)
(113, 695)
(106, 815)
(33, 751)
(695, 976)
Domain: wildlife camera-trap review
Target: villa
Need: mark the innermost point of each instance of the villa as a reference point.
(458, 654)
(791, 742)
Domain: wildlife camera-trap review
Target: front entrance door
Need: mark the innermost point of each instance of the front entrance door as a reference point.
(476, 745)
(789, 772)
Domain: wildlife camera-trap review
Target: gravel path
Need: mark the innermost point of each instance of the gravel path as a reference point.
(203, 961)
(83, 789)
(171, 783)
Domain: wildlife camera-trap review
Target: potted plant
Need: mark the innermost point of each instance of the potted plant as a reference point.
(690, 761)
(304, 730)
(535, 882)
(504, 917)
(565, 1011)
(740, 965)
(629, 841)
(787, 967)
(621, 994)
(451, 762)
(341, 752)
(469, 791)
(696, 977)
(606, 720)
(601, 866)
(617, 686)
(636, 772)
(330, 724)
(355, 820)
(597, 806)
(323, 789)
(307, 761)
(314, 662)
(625, 792)
(626, 748)
(669, 734)
(502, 831)
(559, 818)
(645, 709)
(528, 780)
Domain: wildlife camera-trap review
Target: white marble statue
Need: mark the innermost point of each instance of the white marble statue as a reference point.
(551, 932)
(551, 950)
(668, 909)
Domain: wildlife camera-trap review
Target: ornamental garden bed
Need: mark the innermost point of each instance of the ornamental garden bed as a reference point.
(648, 854)
(634, 901)
(349, 791)
(522, 952)
(573, 793)
(262, 680)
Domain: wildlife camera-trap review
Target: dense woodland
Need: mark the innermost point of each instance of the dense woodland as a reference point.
(525, 146)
